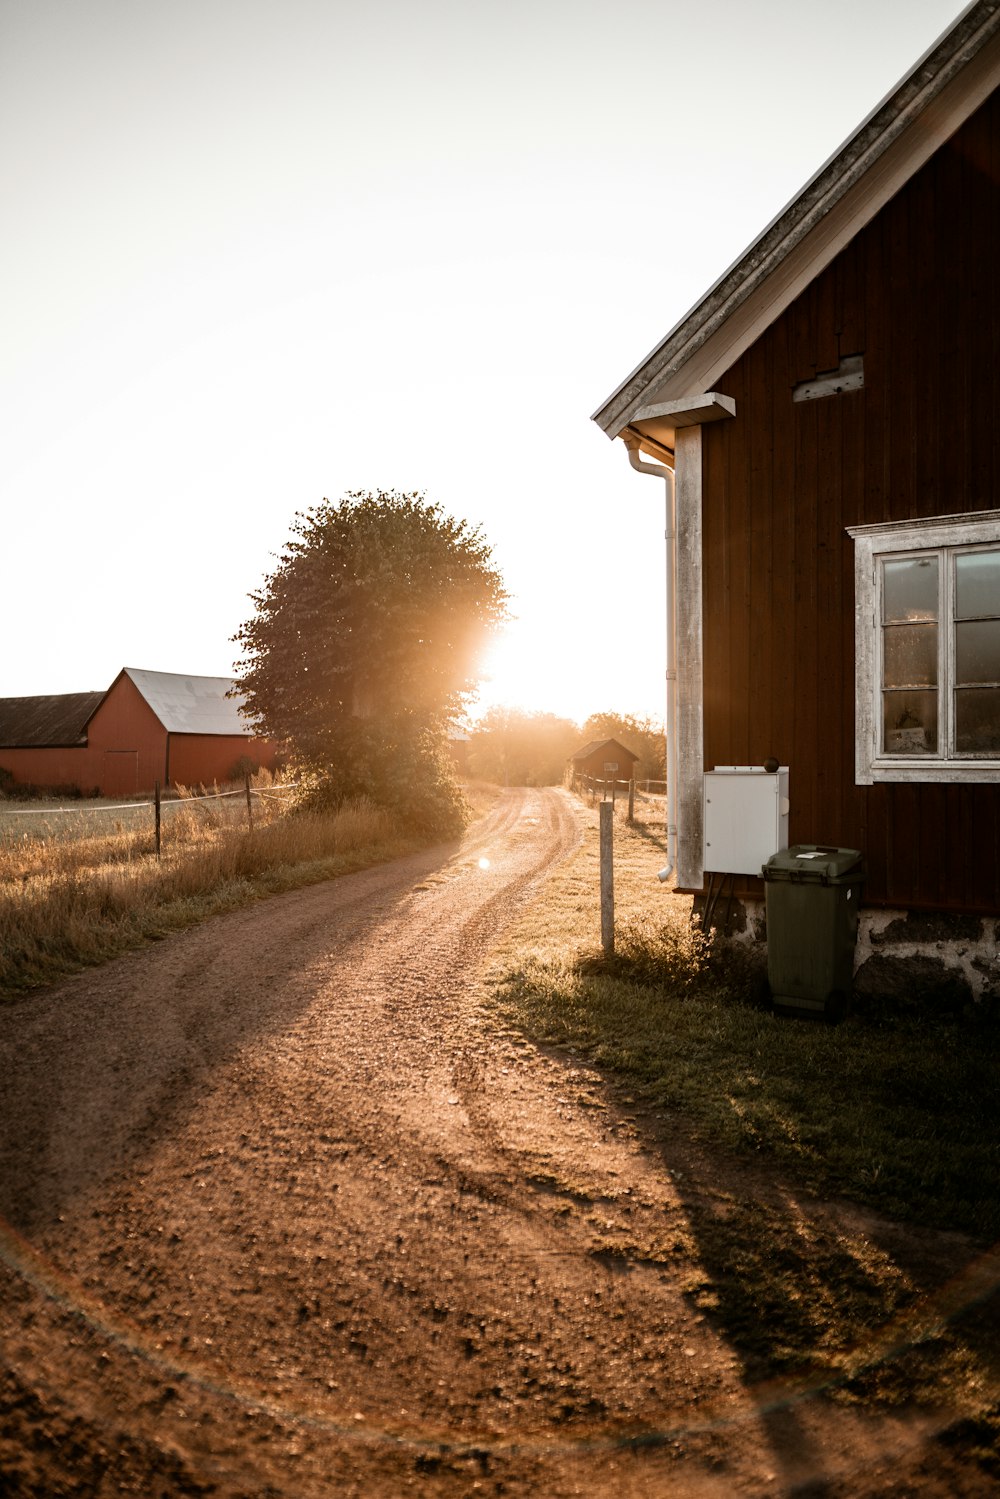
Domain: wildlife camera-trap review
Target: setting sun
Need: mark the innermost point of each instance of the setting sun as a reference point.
(539, 665)
(521, 670)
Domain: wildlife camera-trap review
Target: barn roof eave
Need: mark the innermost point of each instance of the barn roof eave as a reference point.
(941, 91)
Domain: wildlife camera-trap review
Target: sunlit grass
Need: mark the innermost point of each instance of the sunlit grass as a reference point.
(70, 900)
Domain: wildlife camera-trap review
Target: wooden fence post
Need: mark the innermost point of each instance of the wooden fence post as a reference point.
(246, 782)
(607, 879)
(631, 800)
(156, 804)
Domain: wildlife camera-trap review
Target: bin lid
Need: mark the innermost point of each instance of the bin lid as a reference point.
(813, 861)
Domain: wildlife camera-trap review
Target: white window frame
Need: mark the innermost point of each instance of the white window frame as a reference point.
(871, 545)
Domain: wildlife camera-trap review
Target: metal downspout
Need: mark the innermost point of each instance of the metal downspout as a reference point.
(661, 471)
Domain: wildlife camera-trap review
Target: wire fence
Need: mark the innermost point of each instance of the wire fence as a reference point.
(599, 785)
(648, 796)
(68, 823)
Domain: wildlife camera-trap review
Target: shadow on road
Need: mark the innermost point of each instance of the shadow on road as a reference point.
(828, 1307)
(97, 1069)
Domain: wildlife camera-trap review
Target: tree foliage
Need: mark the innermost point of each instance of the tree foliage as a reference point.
(515, 748)
(365, 640)
(643, 736)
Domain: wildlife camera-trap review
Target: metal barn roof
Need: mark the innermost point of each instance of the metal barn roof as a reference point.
(191, 705)
(51, 721)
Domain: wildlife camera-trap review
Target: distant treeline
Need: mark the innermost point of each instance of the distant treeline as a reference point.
(515, 748)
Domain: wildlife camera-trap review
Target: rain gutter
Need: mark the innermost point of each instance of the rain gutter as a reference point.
(666, 472)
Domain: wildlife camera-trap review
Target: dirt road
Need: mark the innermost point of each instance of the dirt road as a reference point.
(285, 1215)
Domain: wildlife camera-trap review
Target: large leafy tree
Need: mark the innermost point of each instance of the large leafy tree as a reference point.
(365, 640)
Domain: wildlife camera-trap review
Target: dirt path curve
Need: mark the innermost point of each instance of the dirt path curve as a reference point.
(286, 1215)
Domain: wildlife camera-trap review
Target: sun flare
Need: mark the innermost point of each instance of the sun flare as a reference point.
(533, 671)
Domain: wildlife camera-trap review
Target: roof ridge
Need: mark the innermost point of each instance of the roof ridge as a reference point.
(882, 128)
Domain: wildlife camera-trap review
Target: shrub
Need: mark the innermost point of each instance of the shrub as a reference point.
(410, 777)
(245, 766)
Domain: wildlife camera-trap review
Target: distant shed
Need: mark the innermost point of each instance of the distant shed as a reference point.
(148, 726)
(604, 760)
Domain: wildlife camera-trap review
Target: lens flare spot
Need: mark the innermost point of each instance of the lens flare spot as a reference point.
(484, 863)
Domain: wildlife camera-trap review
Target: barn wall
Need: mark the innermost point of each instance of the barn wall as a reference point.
(916, 293)
(127, 742)
(594, 767)
(197, 759)
(44, 767)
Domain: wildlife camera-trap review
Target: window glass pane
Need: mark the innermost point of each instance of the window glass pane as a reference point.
(909, 723)
(909, 656)
(977, 651)
(910, 589)
(977, 721)
(977, 584)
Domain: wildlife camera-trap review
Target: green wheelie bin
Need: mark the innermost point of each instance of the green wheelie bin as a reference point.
(812, 894)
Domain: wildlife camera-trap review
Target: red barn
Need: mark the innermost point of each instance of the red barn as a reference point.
(826, 419)
(149, 726)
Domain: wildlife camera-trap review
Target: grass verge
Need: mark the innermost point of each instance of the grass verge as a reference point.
(900, 1115)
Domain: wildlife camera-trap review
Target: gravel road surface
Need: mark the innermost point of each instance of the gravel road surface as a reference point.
(284, 1213)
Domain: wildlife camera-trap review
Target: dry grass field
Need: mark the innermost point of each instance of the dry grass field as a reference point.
(82, 883)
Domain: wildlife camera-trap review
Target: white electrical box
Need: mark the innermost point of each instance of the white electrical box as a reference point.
(746, 817)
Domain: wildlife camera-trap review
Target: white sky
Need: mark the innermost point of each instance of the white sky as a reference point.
(254, 254)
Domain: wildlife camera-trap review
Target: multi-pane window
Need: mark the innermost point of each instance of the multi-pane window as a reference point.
(928, 638)
(911, 640)
(976, 675)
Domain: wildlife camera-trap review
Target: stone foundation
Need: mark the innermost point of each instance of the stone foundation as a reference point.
(920, 958)
(906, 961)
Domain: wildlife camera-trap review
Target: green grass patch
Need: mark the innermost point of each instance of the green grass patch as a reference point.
(901, 1117)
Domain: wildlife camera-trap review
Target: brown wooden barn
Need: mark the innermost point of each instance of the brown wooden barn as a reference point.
(148, 726)
(603, 760)
(828, 418)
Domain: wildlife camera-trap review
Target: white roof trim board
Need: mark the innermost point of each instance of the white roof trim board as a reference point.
(943, 89)
(191, 705)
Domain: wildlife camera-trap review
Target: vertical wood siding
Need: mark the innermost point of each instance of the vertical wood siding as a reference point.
(200, 759)
(916, 292)
(125, 722)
